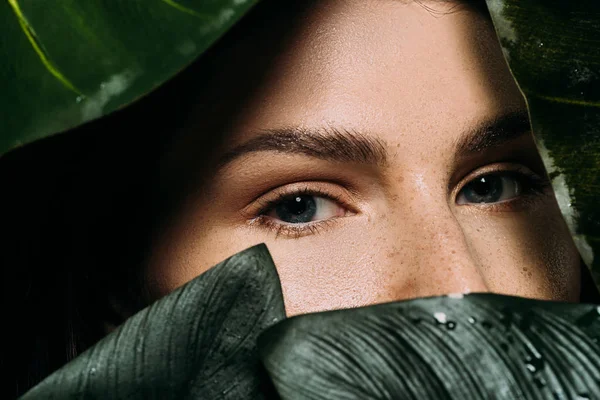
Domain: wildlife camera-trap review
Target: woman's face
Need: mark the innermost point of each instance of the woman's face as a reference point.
(382, 154)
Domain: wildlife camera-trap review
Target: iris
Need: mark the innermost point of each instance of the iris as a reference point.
(491, 189)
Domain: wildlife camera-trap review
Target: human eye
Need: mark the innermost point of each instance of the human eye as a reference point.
(502, 185)
(296, 211)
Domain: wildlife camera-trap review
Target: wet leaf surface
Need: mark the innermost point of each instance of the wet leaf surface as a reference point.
(481, 346)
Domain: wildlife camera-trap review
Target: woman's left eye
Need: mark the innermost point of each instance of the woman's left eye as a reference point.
(304, 208)
(496, 188)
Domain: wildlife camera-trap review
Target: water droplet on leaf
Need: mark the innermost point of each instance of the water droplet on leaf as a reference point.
(440, 317)
(486, 325)
(539, 382)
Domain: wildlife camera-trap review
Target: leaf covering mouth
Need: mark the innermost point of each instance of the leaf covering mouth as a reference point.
(480, 346)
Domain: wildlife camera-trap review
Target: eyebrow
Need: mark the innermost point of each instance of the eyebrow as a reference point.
(350, 146)
(493, 134)
(329, 144)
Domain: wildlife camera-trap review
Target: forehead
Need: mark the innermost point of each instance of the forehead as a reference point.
(398, 69)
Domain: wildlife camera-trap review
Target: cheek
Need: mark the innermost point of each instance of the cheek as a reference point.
(530, 256)
(343, 268)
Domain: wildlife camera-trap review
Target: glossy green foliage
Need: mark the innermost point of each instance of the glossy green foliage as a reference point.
(199, 342)
(479, 346)
(553, 49)
(65, 62)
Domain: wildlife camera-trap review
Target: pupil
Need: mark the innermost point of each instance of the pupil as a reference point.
(298, 209)
(486, 189)
(297, 206)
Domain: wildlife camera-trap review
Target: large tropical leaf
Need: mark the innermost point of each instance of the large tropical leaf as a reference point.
(65, 62)
(482, 346)
(199, 342)
(553, 49)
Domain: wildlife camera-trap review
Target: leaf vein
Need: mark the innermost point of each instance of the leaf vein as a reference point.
(38, 47)
(185, 9)
(567, 101)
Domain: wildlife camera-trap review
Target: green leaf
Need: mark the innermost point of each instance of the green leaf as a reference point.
(553, 49)
(480, 346)
(65, 62)
(198, 342)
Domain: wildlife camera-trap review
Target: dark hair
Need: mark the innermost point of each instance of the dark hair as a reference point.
(76, 214)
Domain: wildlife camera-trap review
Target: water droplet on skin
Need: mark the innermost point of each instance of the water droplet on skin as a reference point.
(79, 99)
(93, 371)
(531, 368)
(541, 44)
(450, 325)
(472, 320)
(440, 317)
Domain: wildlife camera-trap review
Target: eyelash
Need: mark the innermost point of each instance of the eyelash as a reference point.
(534, 186)
(296, 230)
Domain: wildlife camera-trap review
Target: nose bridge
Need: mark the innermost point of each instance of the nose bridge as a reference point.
(440, 258)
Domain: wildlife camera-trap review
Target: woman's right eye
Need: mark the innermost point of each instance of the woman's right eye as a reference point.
(304, 208)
